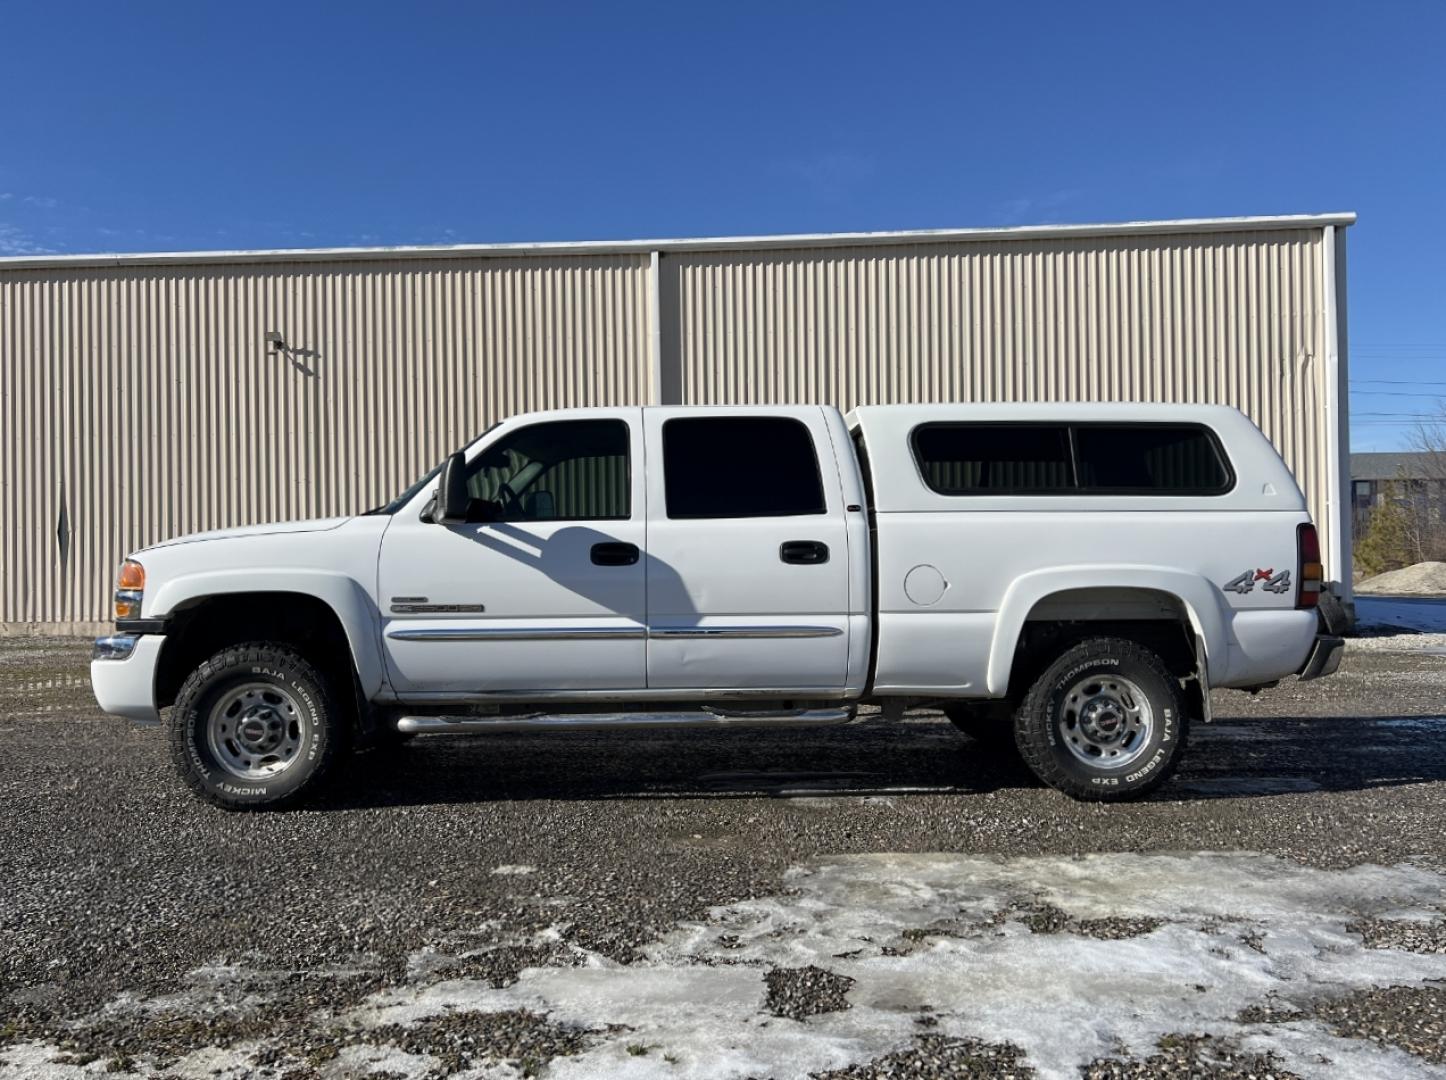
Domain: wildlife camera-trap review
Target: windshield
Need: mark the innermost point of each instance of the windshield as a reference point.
(411, 492)
(407, 496)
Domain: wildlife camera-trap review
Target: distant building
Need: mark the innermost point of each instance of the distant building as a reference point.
(1416, 479)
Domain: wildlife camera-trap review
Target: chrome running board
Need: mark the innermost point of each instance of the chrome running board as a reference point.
(432, 725)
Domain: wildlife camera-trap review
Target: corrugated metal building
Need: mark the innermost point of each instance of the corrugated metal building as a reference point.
(139, 397)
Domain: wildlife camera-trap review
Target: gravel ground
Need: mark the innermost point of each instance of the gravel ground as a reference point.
(139, 927)
(936, 1057)
(1189, 1056)
(807, 991)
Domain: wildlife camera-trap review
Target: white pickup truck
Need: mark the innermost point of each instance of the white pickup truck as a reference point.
(1071, 578)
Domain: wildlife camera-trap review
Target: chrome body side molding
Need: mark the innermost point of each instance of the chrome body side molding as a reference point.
(561, 633)
(604, 633)
(715, 632)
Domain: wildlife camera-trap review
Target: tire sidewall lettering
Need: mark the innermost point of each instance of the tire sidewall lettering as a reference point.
(222, 671)
(1164, 738)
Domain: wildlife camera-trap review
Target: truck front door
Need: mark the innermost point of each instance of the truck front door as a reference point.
(543, 588)
(747, 569)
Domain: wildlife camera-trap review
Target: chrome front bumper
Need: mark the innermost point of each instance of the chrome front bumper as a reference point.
(1324, 658)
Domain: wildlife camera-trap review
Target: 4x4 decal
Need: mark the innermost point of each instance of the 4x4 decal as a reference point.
(1244, 583)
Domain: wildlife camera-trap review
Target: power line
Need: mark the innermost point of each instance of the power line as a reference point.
(1387, 393)
(1400, 415)
(1402, 382)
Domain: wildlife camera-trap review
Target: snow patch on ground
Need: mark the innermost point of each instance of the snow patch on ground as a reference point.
(1424, 616)
(943, 936)
(1071, 959)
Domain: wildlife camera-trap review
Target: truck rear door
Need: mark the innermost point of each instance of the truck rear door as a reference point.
(748, 561)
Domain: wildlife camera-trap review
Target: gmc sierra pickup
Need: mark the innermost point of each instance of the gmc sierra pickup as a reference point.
(1069, 578)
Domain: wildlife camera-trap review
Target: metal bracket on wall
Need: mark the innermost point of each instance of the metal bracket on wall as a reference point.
(62, 528)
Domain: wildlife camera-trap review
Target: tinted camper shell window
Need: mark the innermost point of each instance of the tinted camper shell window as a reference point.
(1058, 458)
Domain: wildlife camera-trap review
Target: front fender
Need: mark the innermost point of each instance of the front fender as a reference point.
(345, 596)
(1198, 597)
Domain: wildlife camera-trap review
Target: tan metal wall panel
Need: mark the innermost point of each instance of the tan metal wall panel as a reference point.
(140, 403)
(1232, 318)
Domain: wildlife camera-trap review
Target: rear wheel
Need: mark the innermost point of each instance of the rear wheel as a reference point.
(1104, 722)
(989, 723)
(255, 726)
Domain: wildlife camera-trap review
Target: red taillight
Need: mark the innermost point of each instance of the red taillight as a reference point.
(1310, 574)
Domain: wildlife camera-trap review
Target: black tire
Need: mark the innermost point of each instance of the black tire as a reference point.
(989, 723)
(1051, 718)
(287, 693)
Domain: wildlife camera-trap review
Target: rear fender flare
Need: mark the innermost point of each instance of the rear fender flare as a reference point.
(1197, 596)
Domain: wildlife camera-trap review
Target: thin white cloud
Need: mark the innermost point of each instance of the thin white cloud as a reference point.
(1012, 210)
(45, 202)
(834, 175)
(15, 241)
(1040, 208)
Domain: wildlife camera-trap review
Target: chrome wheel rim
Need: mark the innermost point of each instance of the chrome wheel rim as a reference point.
(255, 731)
(1105, 721)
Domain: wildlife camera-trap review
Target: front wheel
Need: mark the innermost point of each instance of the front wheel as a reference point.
(1105, 722)
(255, 726)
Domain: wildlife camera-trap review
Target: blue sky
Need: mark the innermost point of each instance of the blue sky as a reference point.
(156, 126)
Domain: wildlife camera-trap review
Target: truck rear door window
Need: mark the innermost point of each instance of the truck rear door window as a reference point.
(740, 466)
(994, 459)
(1166, 459)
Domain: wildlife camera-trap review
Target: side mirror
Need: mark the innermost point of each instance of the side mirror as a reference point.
(452, 497)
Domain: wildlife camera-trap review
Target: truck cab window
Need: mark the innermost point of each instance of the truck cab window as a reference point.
(740, 466)
(563, 470)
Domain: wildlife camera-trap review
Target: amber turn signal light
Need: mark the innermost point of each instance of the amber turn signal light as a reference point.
(130, 584)
(132, 576)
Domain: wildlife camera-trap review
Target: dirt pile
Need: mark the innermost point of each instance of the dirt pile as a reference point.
(1424, 578)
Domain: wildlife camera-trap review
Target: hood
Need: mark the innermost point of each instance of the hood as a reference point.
(312, 525)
